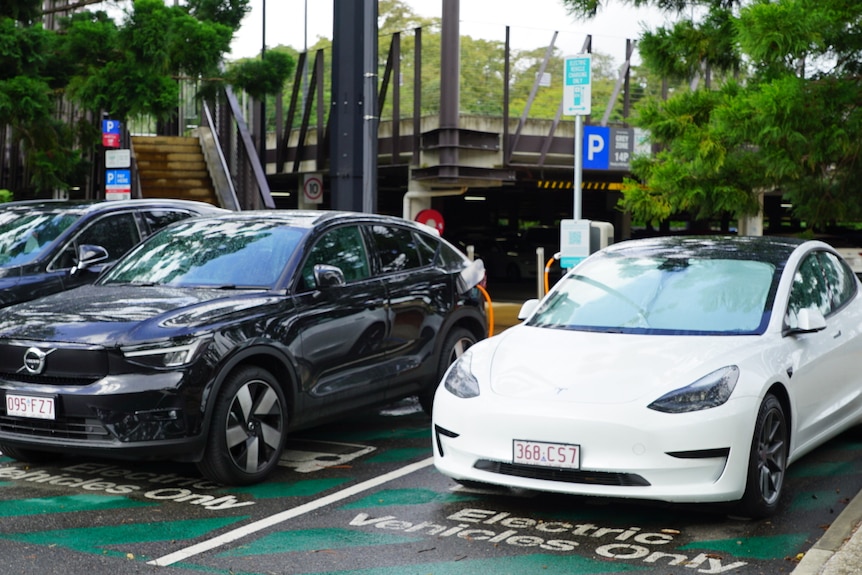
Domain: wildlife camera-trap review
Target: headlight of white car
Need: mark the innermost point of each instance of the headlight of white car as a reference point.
(709, 391)
(167, 354)
(460, 380)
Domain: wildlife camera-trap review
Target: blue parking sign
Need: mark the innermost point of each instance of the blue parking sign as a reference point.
(111, 126)
(596, 147)
(118, 177)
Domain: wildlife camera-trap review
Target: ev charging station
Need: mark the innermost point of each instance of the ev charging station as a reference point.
(579, 237)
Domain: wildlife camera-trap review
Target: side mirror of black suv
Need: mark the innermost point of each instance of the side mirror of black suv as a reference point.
(328, 276)
(89, 255)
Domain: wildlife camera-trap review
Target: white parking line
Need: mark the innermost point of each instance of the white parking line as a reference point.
(241, 532)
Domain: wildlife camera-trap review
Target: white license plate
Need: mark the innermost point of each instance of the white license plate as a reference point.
(30, 406)
(560, 455)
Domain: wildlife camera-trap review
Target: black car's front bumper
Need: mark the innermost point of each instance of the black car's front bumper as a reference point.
(155, 415)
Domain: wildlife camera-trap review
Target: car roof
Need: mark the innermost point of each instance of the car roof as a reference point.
(94, 206)
(772, 249)
(312, 218)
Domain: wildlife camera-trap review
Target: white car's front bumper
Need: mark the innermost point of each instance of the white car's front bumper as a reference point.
(626, 450)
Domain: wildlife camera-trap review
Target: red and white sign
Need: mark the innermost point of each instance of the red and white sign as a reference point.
(111, 140)
(312, 189)
(431, 218)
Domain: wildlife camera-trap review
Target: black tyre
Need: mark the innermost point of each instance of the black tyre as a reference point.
(456, 343)
(28, 455)
(248, 429)
(767, 462)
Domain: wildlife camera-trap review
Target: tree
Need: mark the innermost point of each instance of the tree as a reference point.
(98, 65)
(776, 107)
(132, 68)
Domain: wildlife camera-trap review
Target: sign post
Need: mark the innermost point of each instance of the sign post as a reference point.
(577, 101)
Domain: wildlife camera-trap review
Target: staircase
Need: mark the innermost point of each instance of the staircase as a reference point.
(173, 167)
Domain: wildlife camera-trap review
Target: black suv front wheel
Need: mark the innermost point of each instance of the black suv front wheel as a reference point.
(248, 429)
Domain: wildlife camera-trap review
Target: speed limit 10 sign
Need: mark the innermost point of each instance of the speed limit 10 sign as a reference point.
(312, 189)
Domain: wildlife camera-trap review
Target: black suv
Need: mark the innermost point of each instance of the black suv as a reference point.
(50, 246)
(218, 335)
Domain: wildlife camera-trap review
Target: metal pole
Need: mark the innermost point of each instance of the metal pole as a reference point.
(262, 121)
(369, 126)
(305, 51)
(579, 165)
(540, 276)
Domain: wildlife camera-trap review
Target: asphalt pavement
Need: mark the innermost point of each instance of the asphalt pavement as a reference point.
(838, 552)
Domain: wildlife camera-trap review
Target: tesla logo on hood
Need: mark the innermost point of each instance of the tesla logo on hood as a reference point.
(34, 360)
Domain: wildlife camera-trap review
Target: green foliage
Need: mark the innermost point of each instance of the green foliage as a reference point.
(23, 49)
(6, 196)
(124, 69)
(24, 11)
(262, 77)
(789, 120)
(228, 13)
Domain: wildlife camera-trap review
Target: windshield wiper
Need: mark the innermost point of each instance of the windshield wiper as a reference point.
(133, 284)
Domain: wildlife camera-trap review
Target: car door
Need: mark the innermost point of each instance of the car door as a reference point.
(117, 233)
(418, 294)
(826, 378)
(342, 327)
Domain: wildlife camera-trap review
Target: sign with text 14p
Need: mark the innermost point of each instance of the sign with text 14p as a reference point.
(577, 85)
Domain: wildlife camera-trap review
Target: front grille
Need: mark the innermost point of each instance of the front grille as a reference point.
(73, 363)
(563, 475)
(75, 428)
(47, 379)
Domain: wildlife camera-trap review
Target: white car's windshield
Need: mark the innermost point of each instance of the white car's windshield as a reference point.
(229, 254)
(25, 235)
(661, 295)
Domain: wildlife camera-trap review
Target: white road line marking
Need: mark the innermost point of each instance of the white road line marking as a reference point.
(261, 524)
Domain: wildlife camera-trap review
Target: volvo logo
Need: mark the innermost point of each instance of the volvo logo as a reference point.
(34, 360)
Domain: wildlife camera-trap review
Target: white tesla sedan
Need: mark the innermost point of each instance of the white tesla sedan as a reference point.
(682, 369)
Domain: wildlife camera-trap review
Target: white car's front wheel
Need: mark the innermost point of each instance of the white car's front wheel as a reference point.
(767, 463)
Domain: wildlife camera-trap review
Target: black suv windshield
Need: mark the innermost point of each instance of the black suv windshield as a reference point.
(25, 235)
(202, 253)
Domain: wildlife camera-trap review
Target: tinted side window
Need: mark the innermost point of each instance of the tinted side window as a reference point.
(157, 219)
(396, 248)
(450, 258)
(809, 290)
(427, 246)
(117, 233)
(341, 247)
(839, 278)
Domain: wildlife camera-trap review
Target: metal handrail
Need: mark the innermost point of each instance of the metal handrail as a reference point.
(232, 200)
(248, 151)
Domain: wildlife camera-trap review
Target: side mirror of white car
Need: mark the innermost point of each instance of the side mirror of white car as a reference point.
(527, 308)
(808, 320)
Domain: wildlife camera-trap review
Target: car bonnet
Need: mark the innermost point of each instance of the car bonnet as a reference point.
(528, 363)
(118, 315)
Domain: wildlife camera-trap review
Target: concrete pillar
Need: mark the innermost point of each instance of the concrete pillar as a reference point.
(752, 225)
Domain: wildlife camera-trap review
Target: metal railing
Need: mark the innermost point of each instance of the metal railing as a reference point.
(224, 117)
